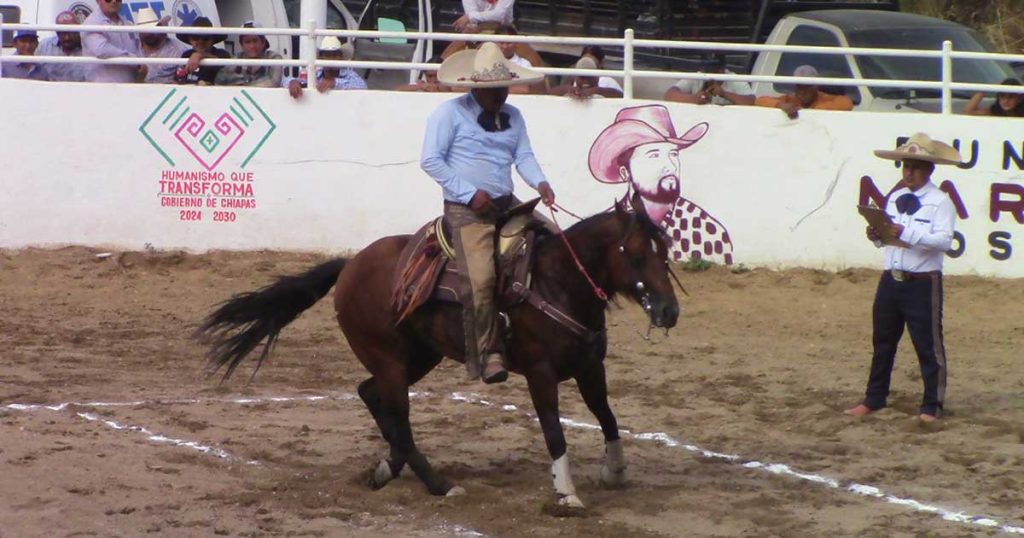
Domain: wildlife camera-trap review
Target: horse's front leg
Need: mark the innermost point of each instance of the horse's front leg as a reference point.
(543, 385)
(594, 390)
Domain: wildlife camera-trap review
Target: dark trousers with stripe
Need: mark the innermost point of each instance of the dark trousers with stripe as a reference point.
(916, 304)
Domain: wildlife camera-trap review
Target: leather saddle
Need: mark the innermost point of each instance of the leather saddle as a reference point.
(428, 270)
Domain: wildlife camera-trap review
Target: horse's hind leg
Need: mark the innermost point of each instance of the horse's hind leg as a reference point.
(387, 469)
(392, 417)
(394, 399)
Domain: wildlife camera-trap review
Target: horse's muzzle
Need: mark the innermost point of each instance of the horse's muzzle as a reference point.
(665, 314)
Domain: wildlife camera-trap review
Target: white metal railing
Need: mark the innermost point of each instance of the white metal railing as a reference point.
(628, 73)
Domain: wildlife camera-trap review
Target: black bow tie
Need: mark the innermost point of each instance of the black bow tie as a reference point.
(493, 122)
(908, 203)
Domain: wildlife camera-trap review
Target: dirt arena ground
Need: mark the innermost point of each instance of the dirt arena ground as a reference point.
(761, 366)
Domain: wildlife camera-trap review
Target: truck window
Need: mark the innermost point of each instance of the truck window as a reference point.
(12, 14)
(828, 65)
(292, 10)
(911, 68)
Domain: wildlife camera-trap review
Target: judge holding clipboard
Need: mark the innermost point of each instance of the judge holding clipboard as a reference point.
(915, 230)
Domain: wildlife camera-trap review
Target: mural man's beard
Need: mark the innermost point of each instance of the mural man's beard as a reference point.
(666, 192)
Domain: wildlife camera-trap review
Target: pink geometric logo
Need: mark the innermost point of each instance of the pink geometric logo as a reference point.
(209, 146)
(174, 123)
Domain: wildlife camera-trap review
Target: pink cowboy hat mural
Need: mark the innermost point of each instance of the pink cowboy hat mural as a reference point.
(634, 127)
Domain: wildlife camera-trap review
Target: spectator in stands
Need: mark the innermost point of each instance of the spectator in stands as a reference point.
(510, 51)
(263, 76)
(1006, 104)
(110, 44)
(64, 44)
(202, 48)
(805, 96)
(428, 81)
(583, 87)
(716, 92)
(329, 78)
(158, 46)
(477, 12)
(25, 44)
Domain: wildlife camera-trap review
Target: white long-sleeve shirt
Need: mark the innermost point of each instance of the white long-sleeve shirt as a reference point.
(110, 45)
(499, 11)
(929, 231)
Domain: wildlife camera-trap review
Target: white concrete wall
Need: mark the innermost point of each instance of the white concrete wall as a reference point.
(340, 170)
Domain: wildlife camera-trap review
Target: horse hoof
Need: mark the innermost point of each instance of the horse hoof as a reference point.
(613, 480)
(456, 491)
(571, 501)
(381, 475)
(567, 506)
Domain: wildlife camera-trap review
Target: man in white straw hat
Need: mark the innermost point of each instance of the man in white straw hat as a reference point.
(469, 147)
(158, 46)
(910, 290)
(329, 78)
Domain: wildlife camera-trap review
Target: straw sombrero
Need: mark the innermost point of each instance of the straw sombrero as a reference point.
(485, 67)
(921, 147)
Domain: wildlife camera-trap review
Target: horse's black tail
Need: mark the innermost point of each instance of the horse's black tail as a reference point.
(242, 322)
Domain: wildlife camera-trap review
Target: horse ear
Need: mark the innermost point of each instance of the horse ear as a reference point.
(620, 209)
(637, 203)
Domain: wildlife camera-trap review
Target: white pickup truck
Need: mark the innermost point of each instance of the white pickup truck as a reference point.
(877, 29)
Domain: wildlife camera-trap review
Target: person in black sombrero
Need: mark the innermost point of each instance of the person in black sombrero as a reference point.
(202, 47)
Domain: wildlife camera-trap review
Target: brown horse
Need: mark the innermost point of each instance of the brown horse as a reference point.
(623, 253)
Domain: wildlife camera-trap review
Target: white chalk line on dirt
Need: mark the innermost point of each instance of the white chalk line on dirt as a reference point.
(164, 439)
(774, 468)
(658, 437)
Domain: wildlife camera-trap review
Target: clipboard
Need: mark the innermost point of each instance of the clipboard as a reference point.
(878, 219)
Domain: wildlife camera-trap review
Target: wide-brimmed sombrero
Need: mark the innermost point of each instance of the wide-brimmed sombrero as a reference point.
(634, 127)
(485, 67)
(921, 147)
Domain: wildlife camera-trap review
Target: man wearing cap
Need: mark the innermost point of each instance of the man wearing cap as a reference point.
(202, 48)
(110, 44)
(910, 290)
(641, 149)
(702, 92)
(158, 46)
(469, 147)
(329, 78)
(254, 47)
(64, 44)
(25, 44)
(805, 96)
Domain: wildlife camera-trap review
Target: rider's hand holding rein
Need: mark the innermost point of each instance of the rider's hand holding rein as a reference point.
(547, 194)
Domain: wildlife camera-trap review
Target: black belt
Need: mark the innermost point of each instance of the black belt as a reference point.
(902, 276)
(501, 202)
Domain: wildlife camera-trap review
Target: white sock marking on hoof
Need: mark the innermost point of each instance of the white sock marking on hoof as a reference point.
(570, 501)
(563, 480)
(382, 474)
(456, 491)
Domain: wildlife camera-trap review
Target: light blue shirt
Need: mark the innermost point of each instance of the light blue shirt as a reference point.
(462, 157)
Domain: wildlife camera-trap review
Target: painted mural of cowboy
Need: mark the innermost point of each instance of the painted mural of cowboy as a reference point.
(641, 148)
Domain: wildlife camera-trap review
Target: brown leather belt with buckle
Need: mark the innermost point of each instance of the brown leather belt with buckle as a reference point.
(903, 276)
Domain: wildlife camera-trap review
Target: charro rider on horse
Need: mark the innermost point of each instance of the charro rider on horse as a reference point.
(469, 147)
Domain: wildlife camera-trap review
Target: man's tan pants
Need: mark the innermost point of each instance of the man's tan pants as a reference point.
(474, 247)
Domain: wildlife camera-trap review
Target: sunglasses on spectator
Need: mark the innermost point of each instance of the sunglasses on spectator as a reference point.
(113, 1)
